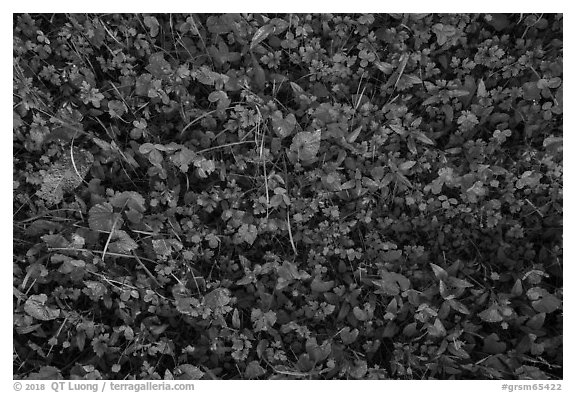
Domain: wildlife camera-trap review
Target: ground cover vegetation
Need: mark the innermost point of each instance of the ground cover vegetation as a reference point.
(265, 196)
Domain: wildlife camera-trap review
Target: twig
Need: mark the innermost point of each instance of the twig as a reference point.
(109, 238)
(288, 212)
(98, 252)
(227, 145)
(145, 268)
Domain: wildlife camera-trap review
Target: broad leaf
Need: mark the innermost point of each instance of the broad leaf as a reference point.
(65, 175)
(101, 217)
(261, 34)
(306, 145)
(35, 307)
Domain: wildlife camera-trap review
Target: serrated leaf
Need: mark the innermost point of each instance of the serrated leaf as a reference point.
(221, 98)
(306, 145)
(491, 314)
(283, 127)
(348, 336)
(183, 158)
(359, 370)
(130, 199)
(101, 217)
(152, 23)
(163, 247)
(262, 321)
(65, 175)
(190, 372)
(35, 307)
(123, 243)
(116, 108)
(246, 233)
(219, 297)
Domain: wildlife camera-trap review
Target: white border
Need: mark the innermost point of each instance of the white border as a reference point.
(301, 6)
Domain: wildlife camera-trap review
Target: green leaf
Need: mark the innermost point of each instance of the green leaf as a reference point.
(359, 370)
(423, 138)
(152, 23)
(101, 217)
(182, 158)
(360, 314)
(221, 98)
(437, 330)
(439, 272)
(146, 148)
(458, 351)
(391, 283)
(190, 372)
(542, 301)
(492, 344)
(537, 321)
(123, 243)
(491, 314)
(348, 336)
(254, 370)
(116, 108)
(261, 34)
(219, 297)
(318, 353)
(354, 135)
(236, 319)
(406, 165)
(517, 289)
(283, 127)
(456, 305)
(65, 175)
(46, 372)
(318, 285)
(306, 145)
(35, 307)
(246, 233)
(164, 247)
(262, 321)
(390, 256)
(130, 199)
